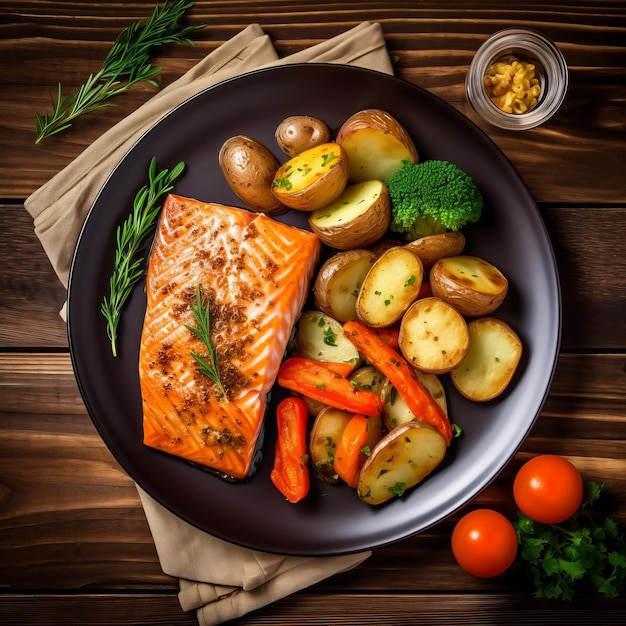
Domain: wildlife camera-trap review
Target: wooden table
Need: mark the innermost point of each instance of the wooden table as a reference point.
(74, 543)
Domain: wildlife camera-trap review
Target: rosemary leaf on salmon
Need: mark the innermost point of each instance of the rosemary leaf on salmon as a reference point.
(253, 274)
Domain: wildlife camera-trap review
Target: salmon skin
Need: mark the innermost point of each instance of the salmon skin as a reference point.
(253, 273)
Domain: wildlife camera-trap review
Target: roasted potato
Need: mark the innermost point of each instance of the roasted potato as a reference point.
(249, 169)
(323, 439)
(433, 336)
(298, 133)
(369, 378)
(312, 179)
(434, 247)
(469, 283)
(382, 245)
(399, 461)
(491, 361)
(338, 282)
(396, 411)
(360, 216)
(390, 287)
(321, 338)
(376, 144)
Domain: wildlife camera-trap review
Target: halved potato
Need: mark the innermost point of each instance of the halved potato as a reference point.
(469, 283)
(369, 378)
(323, 439)
(434, 247)
(376, 144)
(390, 287)
(494, 353)
(360, 216)
(249, 168)
(338, 282)
(433, 336)
(396, 411)
(312, 179)
(298, 133)
(399, 461)
(321, 338)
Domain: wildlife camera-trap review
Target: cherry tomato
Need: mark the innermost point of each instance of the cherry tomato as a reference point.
(484, 543)
(548, 489)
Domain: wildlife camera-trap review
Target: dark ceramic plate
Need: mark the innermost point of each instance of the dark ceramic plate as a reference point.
(331, 520)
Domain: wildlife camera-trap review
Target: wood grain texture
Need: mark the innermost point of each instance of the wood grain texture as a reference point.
(75, 546)
(58, 532)
(588, 245)
(341, 609)
(431, 45)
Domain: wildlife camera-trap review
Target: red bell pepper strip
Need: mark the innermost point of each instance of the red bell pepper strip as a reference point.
(318, 381)
(349, 457)
(397, 369)
(290, 473)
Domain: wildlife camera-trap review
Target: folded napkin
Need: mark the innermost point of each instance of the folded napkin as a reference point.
(219, 580)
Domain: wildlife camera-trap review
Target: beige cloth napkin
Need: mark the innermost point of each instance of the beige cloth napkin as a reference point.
(219, 580)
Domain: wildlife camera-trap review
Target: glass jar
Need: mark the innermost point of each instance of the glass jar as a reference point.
(550, 70)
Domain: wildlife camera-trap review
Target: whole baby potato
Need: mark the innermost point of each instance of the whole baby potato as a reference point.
(431, 248)
(298, 133)
(469, 283)
(249, 168)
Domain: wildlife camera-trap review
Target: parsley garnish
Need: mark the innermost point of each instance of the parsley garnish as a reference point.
(327, 158)
(588, 548)
(398, 489)
(283, 182)
(330, 339)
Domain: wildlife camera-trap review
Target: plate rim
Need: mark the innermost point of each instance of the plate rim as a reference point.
(461, 119)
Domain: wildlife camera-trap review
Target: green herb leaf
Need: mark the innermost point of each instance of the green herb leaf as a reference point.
(130, 240)
(330, 338)
(589, 548)
(127, 63)
(209, 365)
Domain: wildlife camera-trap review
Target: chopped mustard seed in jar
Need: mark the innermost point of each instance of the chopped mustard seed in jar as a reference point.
(512, 85)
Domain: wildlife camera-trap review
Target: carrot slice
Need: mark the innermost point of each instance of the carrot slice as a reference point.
(390, 335)
(397, 369)
(318, 380)
(349, 457)
(290, 473)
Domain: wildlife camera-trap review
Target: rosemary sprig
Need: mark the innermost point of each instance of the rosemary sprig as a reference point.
(208, 366)
(130, 238)
(127, 63)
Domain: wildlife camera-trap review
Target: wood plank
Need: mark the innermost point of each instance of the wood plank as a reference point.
(57, 532)
(340, 609)
(587, 241)
(431, 46)
(31, 295)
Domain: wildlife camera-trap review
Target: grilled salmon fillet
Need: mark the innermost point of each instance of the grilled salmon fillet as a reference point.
(253, 274)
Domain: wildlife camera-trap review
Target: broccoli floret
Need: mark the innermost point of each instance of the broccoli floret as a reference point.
(432, 197)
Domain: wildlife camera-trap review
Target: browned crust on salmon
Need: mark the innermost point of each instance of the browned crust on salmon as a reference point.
(254, 275)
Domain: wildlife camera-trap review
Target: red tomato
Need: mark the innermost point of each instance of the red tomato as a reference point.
(548, 489)
(484, 543)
